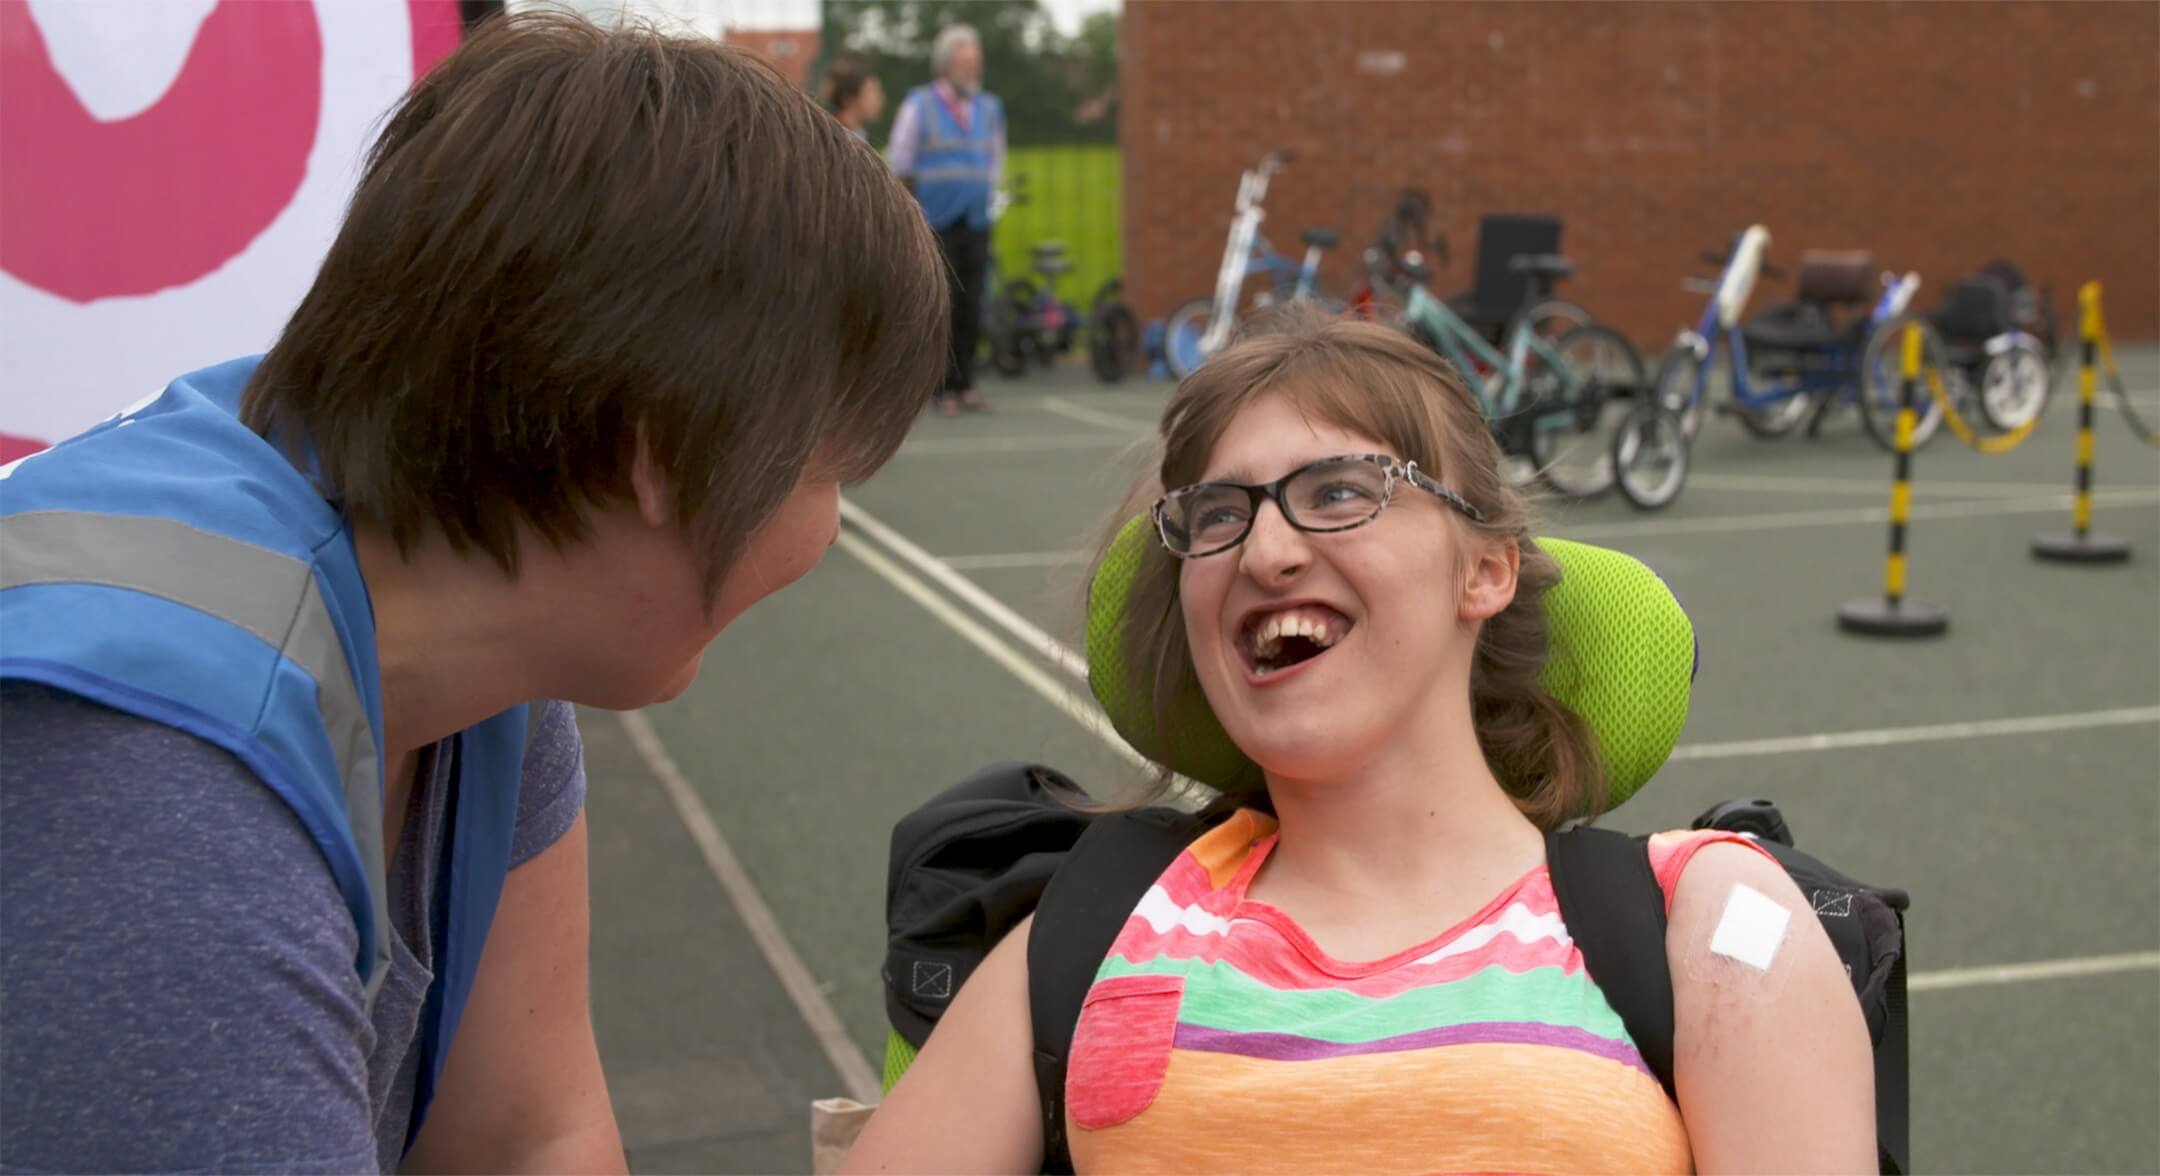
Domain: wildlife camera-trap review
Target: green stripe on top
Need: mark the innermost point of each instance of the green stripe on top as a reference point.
(1218, 996)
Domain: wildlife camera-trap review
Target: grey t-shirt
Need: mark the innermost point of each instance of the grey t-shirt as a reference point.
(177, 987)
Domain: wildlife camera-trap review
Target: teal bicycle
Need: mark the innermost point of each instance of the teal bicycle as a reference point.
(1575, 406)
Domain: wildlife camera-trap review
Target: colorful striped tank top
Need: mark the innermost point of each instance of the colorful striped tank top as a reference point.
(1218, 1037)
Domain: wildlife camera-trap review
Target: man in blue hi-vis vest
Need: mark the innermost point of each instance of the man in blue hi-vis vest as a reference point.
(292, 845)
(948, 144)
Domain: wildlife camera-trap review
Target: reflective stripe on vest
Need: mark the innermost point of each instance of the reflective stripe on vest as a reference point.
(953, 164)
(270, 596)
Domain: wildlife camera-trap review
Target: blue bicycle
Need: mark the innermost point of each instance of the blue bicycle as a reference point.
(1797, 361)
(1200, 327)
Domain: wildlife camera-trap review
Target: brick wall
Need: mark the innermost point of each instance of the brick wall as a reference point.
(791, 51)
(1936, 135)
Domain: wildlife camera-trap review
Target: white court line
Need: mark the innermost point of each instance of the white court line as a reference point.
(1877, 487)
(942, 446)
(1088, 416)
(1928, 733)
(1015, 559)
(1848, 516)
(989, 606)
(1974, 977)
(1083, 712)
(862, 1081)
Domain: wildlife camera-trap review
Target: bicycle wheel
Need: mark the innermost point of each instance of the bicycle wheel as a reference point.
(1009, 353)
(1778, 402)
(1650, 456)
(1113, 340)
(1182, 333)
(2014, 387)
(1881, 380)
(1553, 318)
(1683, 386)
(1574, 419)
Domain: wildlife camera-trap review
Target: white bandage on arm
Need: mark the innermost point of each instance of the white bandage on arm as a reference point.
(1748, 949)
(1752, 929)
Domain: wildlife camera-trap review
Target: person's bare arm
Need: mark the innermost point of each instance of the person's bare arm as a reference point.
(968, 1103)
(1773, 1065)
(523, 1090)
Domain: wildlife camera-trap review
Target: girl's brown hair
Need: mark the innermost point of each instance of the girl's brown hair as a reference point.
(1377, 381)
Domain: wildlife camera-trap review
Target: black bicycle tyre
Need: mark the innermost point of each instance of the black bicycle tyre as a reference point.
(1113, 339)
(1552, 308)
(1627, 445)
(1880, 364)
(1542, 454)
(1009, 355)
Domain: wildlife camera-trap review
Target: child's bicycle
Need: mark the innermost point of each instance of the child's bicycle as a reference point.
(1795, 362)
(1200, 327)
(1039, 325)
(1573, 406)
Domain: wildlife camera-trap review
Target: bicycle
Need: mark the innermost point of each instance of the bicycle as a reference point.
(1041, 325)
(1796, 362)
(1199, 328)
(1556, 413)
(1505, 289)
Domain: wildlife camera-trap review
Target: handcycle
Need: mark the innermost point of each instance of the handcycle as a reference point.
(1579, 414)
(1200, 327)
(1796, 362)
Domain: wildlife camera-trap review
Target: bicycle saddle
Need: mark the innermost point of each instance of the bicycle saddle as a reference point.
(1321, 238)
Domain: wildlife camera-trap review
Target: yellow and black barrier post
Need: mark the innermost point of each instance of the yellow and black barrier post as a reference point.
(1892, 615)
(2081, 544)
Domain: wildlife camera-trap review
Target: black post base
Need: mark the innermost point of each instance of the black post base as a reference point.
(1878, 617)
(2089, 548)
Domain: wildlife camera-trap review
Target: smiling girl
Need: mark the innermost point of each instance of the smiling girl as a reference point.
(1363, 967)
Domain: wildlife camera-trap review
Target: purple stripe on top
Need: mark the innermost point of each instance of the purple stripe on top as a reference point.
(1289, 1047)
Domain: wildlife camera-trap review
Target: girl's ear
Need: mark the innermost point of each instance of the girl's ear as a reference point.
(1489, 586)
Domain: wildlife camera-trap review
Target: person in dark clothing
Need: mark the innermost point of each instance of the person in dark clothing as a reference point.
(948, 145)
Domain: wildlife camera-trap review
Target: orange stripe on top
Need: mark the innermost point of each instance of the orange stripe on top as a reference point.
(1410, 1112)
(1222, 851)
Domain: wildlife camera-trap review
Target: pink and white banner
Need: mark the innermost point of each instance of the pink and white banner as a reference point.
(171, 172)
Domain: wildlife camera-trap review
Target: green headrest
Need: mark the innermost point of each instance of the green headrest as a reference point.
(1622, 657)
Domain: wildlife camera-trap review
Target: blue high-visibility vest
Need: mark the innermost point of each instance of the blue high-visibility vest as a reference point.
(172, 564)
(953, 165)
